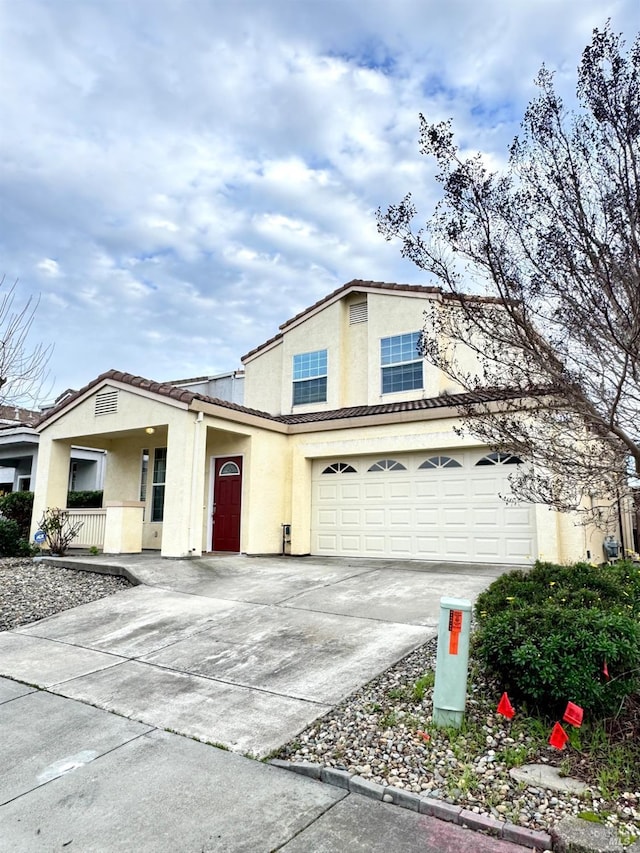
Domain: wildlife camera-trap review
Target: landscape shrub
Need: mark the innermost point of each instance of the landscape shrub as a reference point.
(59, 531)
(608, 587)
(547, 633)
(12, 543)
(84, 500)
(18, 506)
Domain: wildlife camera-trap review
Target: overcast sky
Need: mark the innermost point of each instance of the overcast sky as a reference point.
(181, 176)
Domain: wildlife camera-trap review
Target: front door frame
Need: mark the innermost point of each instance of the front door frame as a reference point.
(212, 486)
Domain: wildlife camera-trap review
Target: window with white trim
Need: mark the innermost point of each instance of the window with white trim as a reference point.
(310, 377)
(401, 363)
(158, 484)
(229, 469)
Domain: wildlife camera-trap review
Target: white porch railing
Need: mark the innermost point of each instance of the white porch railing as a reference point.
(92, 531)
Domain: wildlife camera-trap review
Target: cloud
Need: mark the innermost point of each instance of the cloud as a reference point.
(180, 178)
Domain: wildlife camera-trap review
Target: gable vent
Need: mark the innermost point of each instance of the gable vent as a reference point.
(106, 402)
(357, 313)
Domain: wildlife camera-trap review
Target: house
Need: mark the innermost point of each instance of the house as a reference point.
(346, 444)
(19, 454)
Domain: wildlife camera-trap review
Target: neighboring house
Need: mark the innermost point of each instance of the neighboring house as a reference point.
(346, 434)
(19, 453)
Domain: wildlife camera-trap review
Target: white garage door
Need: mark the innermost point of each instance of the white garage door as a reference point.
(430, 506)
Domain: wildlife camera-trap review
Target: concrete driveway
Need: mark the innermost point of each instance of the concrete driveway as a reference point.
(236, 651)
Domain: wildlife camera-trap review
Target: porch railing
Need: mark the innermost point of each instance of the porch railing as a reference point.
(92, 531)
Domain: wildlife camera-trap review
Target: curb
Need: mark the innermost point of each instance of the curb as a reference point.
(430, 806)
(79, 565)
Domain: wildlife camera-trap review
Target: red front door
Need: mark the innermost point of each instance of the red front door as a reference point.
(227, 496)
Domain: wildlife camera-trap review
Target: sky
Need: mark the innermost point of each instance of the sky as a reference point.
(179, 177)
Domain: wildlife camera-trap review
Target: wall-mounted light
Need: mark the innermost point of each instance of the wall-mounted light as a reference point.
(149, 430)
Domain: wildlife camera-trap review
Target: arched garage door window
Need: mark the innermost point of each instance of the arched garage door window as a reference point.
(387, 465)
(440, 462)
(499, 459)
(340, 468)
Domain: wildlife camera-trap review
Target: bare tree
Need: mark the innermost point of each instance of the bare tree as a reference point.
(23, 368)
(555, 239)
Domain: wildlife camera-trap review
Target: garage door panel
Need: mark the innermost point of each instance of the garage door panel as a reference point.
(375, 545)
(350, 517)
(427, 517)
(519, 548)
(518, 516)
(486, 516)
(400, 517)
(487, 547)
(457, 545)
(455, 517)
(399, 491)
(350, 492)
(374, 517)
(328, 517)
(457, 488)
(373, 491)
(429, 489)
(401, 546)
(327, 492)
(432, 514)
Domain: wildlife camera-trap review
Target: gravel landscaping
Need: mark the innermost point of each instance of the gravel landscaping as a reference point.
(32, 590)
(383, 733)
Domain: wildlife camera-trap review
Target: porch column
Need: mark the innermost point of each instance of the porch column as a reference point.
(52, 478)
(182, 528)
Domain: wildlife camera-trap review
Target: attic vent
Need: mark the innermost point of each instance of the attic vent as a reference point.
(357, 313)
(106, 402)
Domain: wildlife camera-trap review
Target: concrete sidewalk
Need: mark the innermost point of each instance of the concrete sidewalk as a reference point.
(78, 778)
(232, 650)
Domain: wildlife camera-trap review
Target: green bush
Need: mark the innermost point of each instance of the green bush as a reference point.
(84, 500)
(615, 587)
(548, 655)
(12, 544)
(18, 506)
(546, 634)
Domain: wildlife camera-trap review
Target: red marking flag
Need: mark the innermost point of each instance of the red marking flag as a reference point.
(558, 737)
(505, 707)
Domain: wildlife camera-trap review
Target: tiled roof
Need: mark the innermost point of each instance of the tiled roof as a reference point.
(187, 397)
(18, 416)
(162, 388)
(359, 284)
(444, 401)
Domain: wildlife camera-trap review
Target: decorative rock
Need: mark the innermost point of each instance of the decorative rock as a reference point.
(573, 835)
(544, 776)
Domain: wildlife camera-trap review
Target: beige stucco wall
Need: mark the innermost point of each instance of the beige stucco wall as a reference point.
(262, 380)
(353, 354)
(276, 469)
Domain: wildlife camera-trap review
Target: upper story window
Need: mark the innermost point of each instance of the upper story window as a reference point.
(401, 363)
(310, 377)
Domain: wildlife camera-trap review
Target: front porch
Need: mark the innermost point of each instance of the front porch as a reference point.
(175, 475)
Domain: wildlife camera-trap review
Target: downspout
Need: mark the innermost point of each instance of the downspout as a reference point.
(194, 491)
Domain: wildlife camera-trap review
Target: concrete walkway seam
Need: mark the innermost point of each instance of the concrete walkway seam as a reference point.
(430, 806)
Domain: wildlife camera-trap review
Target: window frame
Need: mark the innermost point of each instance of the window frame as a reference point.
(397, 362)
(309, 372)
(158, 484)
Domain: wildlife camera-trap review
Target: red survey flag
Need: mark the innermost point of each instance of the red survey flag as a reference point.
(605, 669)
(573, 714)
(505, 707)
(558, 737)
